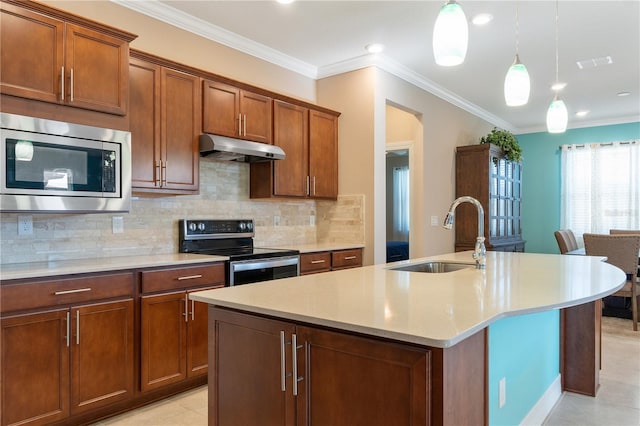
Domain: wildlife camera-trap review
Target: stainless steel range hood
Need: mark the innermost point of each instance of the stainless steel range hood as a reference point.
(229, 149)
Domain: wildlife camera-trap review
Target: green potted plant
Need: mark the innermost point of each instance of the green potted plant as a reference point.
(506, 141)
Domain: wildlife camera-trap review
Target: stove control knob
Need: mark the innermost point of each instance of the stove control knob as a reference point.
(201, 226)
(250, 225)
(242, 226)
(192, 226)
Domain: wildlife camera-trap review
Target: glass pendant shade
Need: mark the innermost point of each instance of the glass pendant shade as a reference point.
(517, 84)
(450, 35)
(557, 116)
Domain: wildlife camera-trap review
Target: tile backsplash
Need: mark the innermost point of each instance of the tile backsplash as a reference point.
(151, 227)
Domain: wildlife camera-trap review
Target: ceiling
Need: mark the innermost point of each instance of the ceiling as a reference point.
(323, 38)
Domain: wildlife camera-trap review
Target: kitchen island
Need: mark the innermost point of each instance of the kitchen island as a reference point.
(377, 346)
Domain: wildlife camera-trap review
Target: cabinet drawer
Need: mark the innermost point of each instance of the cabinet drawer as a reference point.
(65, 291)
(315, 262)
(346, 259)
(181, 278)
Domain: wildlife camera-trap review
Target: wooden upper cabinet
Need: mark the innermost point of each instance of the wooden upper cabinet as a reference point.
(323, 154)
(309, 139)
(165, 118)
(291, 133)
(53, 58)
(234, 112)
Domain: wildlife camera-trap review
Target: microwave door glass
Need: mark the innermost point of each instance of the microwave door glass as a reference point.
(44, 166)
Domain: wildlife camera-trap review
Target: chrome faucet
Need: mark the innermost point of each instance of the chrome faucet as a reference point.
(480, 251)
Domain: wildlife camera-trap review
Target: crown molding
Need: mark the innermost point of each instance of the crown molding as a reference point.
(179, 19)
(582, 124)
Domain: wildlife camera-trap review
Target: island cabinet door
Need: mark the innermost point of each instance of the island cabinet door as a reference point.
(250, 379)
(353, 380)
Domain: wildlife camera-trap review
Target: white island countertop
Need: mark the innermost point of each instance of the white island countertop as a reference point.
(437, 310)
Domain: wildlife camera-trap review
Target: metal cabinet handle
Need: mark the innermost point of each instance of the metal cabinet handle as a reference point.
(283, 377)
(314, 185)
(193, 310)
(71, 85)
(77, 290)
(62, 84)
(186, 308)
(308, 193)
(189, 277)
(158, 173)
(294, 362)
(318, 261)
(244, 126)
(240, 124)
(164, 173)
(68, 337)
(77, 327)
(349, 257)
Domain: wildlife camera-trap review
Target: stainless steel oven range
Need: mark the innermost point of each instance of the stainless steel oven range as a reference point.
(234, 239)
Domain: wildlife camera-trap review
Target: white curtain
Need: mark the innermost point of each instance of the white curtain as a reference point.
(401, 203)
(600, 187)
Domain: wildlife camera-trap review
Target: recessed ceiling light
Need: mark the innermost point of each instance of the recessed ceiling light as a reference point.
(374, 47)
(624, 94)
(482, 19)
(558, 86)
(582, 113)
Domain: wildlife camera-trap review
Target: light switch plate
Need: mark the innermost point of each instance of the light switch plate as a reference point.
(435, 221)
(502, 392)
(276, 221)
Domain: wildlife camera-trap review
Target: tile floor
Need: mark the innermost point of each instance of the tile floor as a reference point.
(617, 402)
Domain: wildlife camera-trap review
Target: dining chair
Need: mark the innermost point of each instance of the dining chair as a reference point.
(566, 240)
(621, 251)
(624, 231)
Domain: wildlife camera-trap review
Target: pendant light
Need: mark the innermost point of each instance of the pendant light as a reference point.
(557, 115)
(517, 84)
(450, 35)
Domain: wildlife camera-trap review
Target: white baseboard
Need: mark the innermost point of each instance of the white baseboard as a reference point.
(545, 404)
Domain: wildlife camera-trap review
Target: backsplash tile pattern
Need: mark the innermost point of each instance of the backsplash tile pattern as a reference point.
(151, 225)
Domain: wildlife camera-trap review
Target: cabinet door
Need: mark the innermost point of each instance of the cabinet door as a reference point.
(290, 132)
(97, 70)
(197, 338)
(144, 116)
(101, 355)
(256, 117)
(246, 379)
(163, 331)
(35, 368)
(323, 154)
(180, 129)
(358, 381)
(32, 48)
(221, 109)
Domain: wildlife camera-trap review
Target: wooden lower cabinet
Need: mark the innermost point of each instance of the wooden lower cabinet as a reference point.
(340, 378)
(173, 341)
(325, 261)
(65, 362)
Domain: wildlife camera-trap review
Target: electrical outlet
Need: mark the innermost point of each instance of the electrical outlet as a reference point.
(276, 221)
(312, 220)
(502, 392)
(25, 225)
(435, 221)
(117, 224)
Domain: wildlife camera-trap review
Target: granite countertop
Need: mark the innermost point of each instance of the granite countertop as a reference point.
(436, 310)
(81, 266)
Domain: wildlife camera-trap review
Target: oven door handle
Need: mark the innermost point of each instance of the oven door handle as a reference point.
(263, 263)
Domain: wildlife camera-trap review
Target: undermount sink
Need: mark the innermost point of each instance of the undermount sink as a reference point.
(434, 267)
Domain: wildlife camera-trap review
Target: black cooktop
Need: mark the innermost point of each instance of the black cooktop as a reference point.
(229, 237)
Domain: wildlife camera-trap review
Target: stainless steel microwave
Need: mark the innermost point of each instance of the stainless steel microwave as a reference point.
(53, 166)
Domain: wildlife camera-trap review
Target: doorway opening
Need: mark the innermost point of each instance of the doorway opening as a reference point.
(403, 130)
